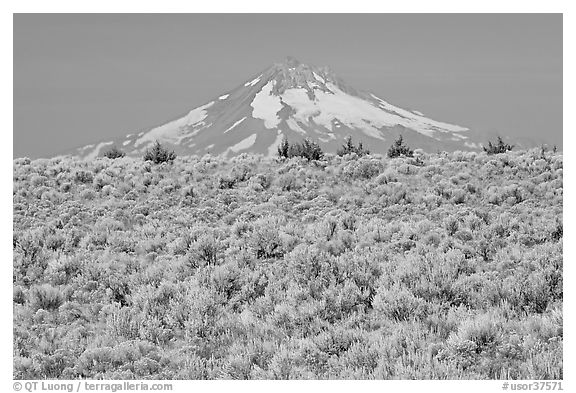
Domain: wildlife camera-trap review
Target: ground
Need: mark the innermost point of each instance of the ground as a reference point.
(436, 266)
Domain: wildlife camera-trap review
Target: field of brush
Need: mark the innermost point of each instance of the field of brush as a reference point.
(437, 266)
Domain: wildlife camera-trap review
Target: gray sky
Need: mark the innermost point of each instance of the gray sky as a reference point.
(90, 77)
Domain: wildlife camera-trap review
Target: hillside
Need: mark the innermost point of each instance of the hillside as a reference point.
(438, 266)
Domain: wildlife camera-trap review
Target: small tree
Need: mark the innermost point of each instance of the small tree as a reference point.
(348, 147)
(399, 149)
(114, 153)
(307, 148)
(284, 148)
(316, 152)
(499, 147)
(158, 154)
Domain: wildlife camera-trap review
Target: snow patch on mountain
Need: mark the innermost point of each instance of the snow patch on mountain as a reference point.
(197, 130)
(418, 123)
(235, 124)
(253, 82)
(351, 111)
(266, 106)
(293, 124)
(86, 147)
(298, 100)
(318, 77)
(94, 153)
(171, 132)
(244, 144)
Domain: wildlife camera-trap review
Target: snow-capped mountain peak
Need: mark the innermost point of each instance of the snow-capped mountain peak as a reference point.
(294, 100)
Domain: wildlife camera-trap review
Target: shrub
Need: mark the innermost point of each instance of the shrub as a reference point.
(288, 182)
(114, 153)
(37, 180)
(482, 331)
(18, 295)
(207, 249)
(263, 180)
(82, 176)
(123, 322)
(349, 222)
(226, 182)
(399, 149)
(188, 191)
(46, 297)
(498, 147)
(265, 240)
(349, 147)
(451, 225)
(101, 180)
(347, 267)
(240, 172)
(364, 168)
(87, 195)
(159, 154)
(399, 304)
(558, 232)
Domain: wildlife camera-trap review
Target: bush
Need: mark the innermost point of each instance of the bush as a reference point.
(207, 249)
(265, 240)
(498, 147)
(18, 295)
(288, 182)
(399, 149)
(84, 177)
(46, 297)
(348, 267)
(349, 147)
(398, 304)
(114, 153)
(158, 154)
(226, 182)
(366, 168)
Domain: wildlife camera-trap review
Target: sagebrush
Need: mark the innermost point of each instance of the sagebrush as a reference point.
(440, 266)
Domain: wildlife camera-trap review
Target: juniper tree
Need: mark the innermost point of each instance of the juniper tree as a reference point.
(349, 147)
(158, 154)
(114, 153)
(307, 148)
(499, 147)
(399, 149)
(284, 148)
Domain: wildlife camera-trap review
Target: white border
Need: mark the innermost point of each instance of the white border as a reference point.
(305, 6)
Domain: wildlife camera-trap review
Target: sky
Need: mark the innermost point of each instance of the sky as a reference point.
(84, 78)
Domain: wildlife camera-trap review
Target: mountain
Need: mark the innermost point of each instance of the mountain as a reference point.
(294, 100)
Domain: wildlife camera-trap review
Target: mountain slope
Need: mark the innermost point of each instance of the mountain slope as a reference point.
(294, 100)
